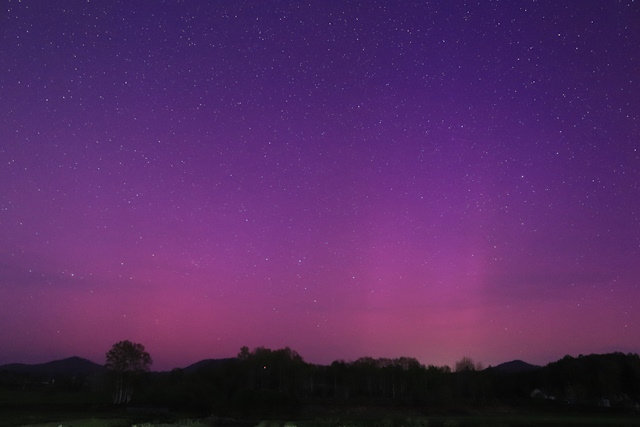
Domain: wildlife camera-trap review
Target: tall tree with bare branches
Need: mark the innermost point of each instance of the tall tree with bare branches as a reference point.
(126, 360)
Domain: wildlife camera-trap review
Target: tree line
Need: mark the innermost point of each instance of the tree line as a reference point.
(276, 382)
(266, 382)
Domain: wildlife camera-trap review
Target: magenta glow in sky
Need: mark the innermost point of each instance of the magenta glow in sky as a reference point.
(429, 179)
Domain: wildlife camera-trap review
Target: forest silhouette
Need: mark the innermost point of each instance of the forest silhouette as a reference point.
(279, 383)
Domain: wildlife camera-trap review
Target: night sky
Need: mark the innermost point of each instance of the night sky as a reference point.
(347, 178)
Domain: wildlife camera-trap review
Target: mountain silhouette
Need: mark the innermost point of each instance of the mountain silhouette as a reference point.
(67, 367)
(207, 364)
(514, 367)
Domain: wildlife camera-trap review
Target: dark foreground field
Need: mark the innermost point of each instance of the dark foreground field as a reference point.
(459, 421)
(354, 417)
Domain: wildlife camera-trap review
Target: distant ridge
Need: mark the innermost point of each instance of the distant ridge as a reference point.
(80, 366)
(514, 367)
(207, 364)
(68, 366)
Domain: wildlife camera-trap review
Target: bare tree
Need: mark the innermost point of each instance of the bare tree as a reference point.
(126, 360)
(466, 364)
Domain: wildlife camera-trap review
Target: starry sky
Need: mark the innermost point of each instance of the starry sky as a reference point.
(433, 179)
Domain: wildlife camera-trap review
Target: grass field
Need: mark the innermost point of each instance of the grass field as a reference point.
(421, 421)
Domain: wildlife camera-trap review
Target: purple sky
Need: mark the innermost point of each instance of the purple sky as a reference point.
(346, 178)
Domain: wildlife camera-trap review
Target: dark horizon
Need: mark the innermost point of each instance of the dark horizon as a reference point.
(277, 384)
(235, 356)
